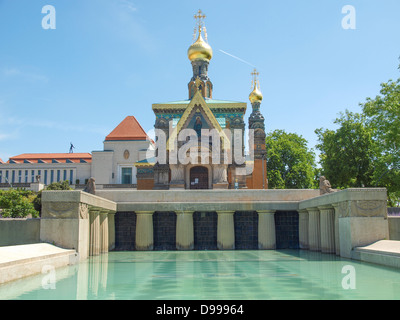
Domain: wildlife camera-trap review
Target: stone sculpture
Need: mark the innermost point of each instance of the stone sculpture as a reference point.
(91, 186)
(325, 186)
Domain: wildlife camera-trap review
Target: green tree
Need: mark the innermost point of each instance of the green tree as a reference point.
(37, 202)
(17, 204)
(347, 154)
(383, 116)
(290, 164)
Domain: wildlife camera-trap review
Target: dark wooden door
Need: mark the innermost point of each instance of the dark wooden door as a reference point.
(199, 178)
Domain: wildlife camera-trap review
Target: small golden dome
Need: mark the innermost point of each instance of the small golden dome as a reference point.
(200, 50)
(256, 95)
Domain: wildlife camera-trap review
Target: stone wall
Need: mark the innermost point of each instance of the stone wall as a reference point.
(19, 231)
(394, 228)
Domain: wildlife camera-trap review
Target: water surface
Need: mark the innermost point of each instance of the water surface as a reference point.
(210, 275)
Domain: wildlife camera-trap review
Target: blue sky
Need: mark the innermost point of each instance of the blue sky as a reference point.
(108, 59)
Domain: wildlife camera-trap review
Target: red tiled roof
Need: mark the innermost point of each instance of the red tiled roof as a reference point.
(1, 161)
(49, 157)
(128, 129)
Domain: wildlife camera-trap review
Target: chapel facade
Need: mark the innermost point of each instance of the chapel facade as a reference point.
(200, 141)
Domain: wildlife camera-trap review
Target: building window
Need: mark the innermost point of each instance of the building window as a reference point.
(1, 176)
(19, 176)
(13, 177)
(7, 177)
(58, 175)
(71, 176)
(51, 176)
(33, 175)
(26, 176)
(126, 175)
(45, 177)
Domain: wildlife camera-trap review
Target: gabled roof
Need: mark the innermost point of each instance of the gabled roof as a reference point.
(128, 129)
(51, 158)
(199, 101)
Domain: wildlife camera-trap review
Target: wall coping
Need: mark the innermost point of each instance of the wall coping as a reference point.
(79, 197)
(354, 194)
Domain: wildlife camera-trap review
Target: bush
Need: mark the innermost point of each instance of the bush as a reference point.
(37, 201)
(17, 204)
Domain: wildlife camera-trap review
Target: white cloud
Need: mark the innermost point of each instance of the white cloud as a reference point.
(31, 76)
(126, 4)
(4, 136)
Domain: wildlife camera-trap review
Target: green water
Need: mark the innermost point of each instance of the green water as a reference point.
(209, 275)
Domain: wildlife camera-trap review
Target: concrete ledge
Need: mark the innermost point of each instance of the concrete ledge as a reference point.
(354, 194)
(17, 262)
(207, 200)
(207, 206)
(79, 197)
(384, 252)
(217, 195)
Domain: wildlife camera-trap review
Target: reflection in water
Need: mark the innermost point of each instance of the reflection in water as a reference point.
(212, 275)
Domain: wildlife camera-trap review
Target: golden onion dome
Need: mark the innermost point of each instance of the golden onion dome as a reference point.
(200, 50)
(256, 95)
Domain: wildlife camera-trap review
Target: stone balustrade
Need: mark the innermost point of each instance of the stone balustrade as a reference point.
(78, 220)
(341, 221)
(332, 223)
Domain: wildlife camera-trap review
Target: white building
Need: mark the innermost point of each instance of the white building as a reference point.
(114, 166)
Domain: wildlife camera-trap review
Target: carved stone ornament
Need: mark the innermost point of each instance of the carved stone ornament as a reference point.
(60, 210)
(343, 209)
(84, 211)
(126, 154)
(370, 208)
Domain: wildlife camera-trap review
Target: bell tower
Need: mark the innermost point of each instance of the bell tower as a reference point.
(200, 54)
(256, 123)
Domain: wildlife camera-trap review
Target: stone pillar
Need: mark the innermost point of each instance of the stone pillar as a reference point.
(337, 238)
(303, 229)
(104, 232)
(314, 229)
(225, 230)
(144, 231)
(111, 231)
(94, 242)
(327, 220)
(266, 230)
(184, 230)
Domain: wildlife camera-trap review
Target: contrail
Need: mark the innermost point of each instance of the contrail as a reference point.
(231, 55)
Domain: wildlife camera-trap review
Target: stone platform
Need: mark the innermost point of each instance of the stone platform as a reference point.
(17, 262)
(384, 252)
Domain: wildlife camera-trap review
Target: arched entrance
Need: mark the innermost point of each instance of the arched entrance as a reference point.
(199, 178)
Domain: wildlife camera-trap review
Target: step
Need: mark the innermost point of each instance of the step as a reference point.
(17, 262)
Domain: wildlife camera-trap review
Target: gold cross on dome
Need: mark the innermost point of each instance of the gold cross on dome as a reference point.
(255, 75)
(200, 18)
